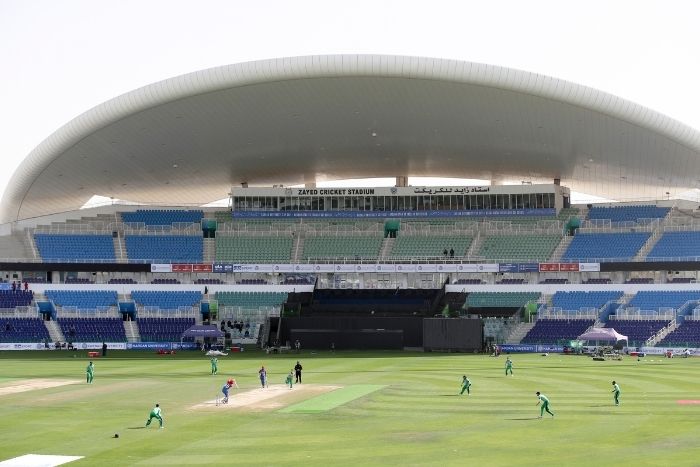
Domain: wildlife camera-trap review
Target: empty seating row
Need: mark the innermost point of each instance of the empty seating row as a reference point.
(164, 248)
(92, 329)
(335, 247)
(433, 245)
(167, 300)
(519, 247)
(251, 299)
(69, 248)
(163, 329)
(164, 217)
(12, 299)
(22, 330)
(83, 299)
(676, 245)
(605, 246)
(578, 300)
(500, 299)
(627, 213)
(263, 249)
(556, 330)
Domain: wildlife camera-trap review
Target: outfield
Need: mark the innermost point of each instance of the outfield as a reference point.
(391, 409)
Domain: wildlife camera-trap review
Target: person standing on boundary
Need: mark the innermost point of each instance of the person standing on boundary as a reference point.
(545, 404)
(289, 380)
(297, 372)
(90, 372)
(616, 392)
(466, 384)
(214, 365)
(263, 376)
(155, 413)
(509, 366)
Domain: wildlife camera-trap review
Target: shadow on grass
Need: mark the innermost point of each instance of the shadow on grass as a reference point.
(601, 405)
(137, 428)
(526, 418)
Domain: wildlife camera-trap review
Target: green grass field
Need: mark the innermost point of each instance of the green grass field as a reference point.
(410, 413)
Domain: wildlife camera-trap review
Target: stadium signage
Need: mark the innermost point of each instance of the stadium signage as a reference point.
(392, 214)
(334, 191)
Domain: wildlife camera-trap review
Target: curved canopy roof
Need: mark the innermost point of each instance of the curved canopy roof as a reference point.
(188, 139)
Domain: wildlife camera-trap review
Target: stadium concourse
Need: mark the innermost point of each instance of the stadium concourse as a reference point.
(434, 267)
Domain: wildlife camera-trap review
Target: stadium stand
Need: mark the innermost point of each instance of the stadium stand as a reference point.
(164, 248)
(578, 300)
(627, 213)
(165, 217)
(251, 299)
(92, 329)
(676, 246)
(500, 299)
(556, 330)
(83, 299)
(69, 248)
(653, 300)
(637, 330)
(360, 246)
(605, 246)
(163, 329)
(431, 245)
(11, 299)
(166, 300)
(685, 335)
(261, 249)
(22, 330)
(519, 247)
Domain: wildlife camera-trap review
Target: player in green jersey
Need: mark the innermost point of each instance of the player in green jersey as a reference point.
(545, 404)
(466, 384)
(155, 413)
(214, 365)
(509, 366)
(90, 372)
(290, 379)
(616, 392)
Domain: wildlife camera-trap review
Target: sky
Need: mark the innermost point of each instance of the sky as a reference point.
(61, 58)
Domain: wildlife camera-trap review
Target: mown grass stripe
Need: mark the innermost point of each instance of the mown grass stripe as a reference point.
(332, 399)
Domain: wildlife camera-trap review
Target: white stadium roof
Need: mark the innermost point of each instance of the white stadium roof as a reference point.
(188, 139)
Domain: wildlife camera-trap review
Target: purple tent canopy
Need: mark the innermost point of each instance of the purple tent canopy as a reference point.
(203, 330)
(602, 334)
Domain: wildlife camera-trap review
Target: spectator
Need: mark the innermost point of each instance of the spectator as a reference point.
(26, 286)
(444, 252)
(14, 286)
(452, 252)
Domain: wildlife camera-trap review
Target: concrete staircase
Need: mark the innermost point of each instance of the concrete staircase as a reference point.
(298, 249)
(131, 329)
(55, 332)
(518, 333)
(561, 248)
(663, 332)
(387, 247)
(475, 247)
(649, 244)
(209, 250)
(119, 248)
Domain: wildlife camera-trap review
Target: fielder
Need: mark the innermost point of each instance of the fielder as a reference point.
(90, 371)
(466, 384)
(155, 413)
(616, 392)
(545, 404)
(509, 366)
(214, 365)
(290, 379)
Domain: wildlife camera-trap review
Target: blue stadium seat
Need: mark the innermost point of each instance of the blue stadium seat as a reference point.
(164, 248)
(54, 248)
(605, 246)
